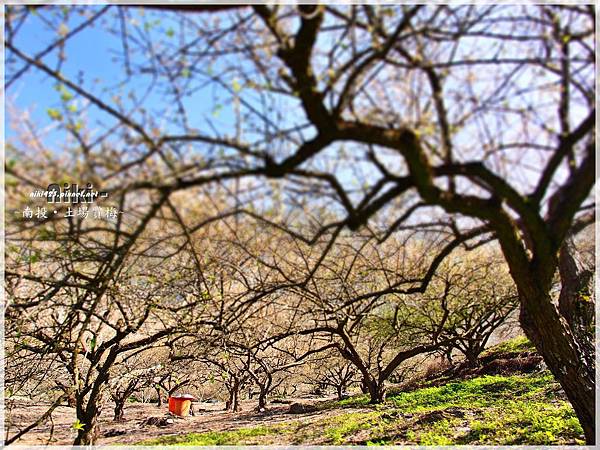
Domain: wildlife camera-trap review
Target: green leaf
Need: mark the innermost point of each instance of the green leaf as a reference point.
(77, 425)
(66, 96)
(93, 344)
(54, 114)
(185, 72)
(217, 110)
(236, 86)
(170, 32)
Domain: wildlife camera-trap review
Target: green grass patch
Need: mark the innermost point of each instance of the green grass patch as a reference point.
(356, 401)
(243, 435)
(513, 346)
(526, 423)
(477, 392)
(488, 410)
(439, 433)
(514, 423)
(338, 428)
(333, 430)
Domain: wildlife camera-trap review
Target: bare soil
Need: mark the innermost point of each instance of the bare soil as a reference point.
(209, 417)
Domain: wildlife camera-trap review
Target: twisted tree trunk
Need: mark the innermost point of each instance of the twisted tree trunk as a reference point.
(233, 404)
(564, 334)
(88, 430)
(376, 389)
(562, 353)
(119, 414)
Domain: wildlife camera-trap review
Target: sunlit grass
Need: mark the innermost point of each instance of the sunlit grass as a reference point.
(493, 410)
(513, 346)
(483, 391)
(235, 437)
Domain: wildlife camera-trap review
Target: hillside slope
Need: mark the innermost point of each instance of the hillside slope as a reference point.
(475, 407)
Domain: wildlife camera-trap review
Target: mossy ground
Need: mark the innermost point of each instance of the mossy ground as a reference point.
(495, 410)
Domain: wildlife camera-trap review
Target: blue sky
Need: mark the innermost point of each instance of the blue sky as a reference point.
(211, 108)
(91, 63)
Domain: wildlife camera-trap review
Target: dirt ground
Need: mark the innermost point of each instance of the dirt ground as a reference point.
(209, 417)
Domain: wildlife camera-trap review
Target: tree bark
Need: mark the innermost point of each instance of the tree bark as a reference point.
(554, 340)
(158, 397)
(363, 386)
(376, 390)
(90, 431)
(233, 404)
(119, 410)
(448, 355)
(342, 387)
(472, 353)
(89, 407)
(262, 399)
(236, 400)
(576, 302)
(264, 389)
(547, 327)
